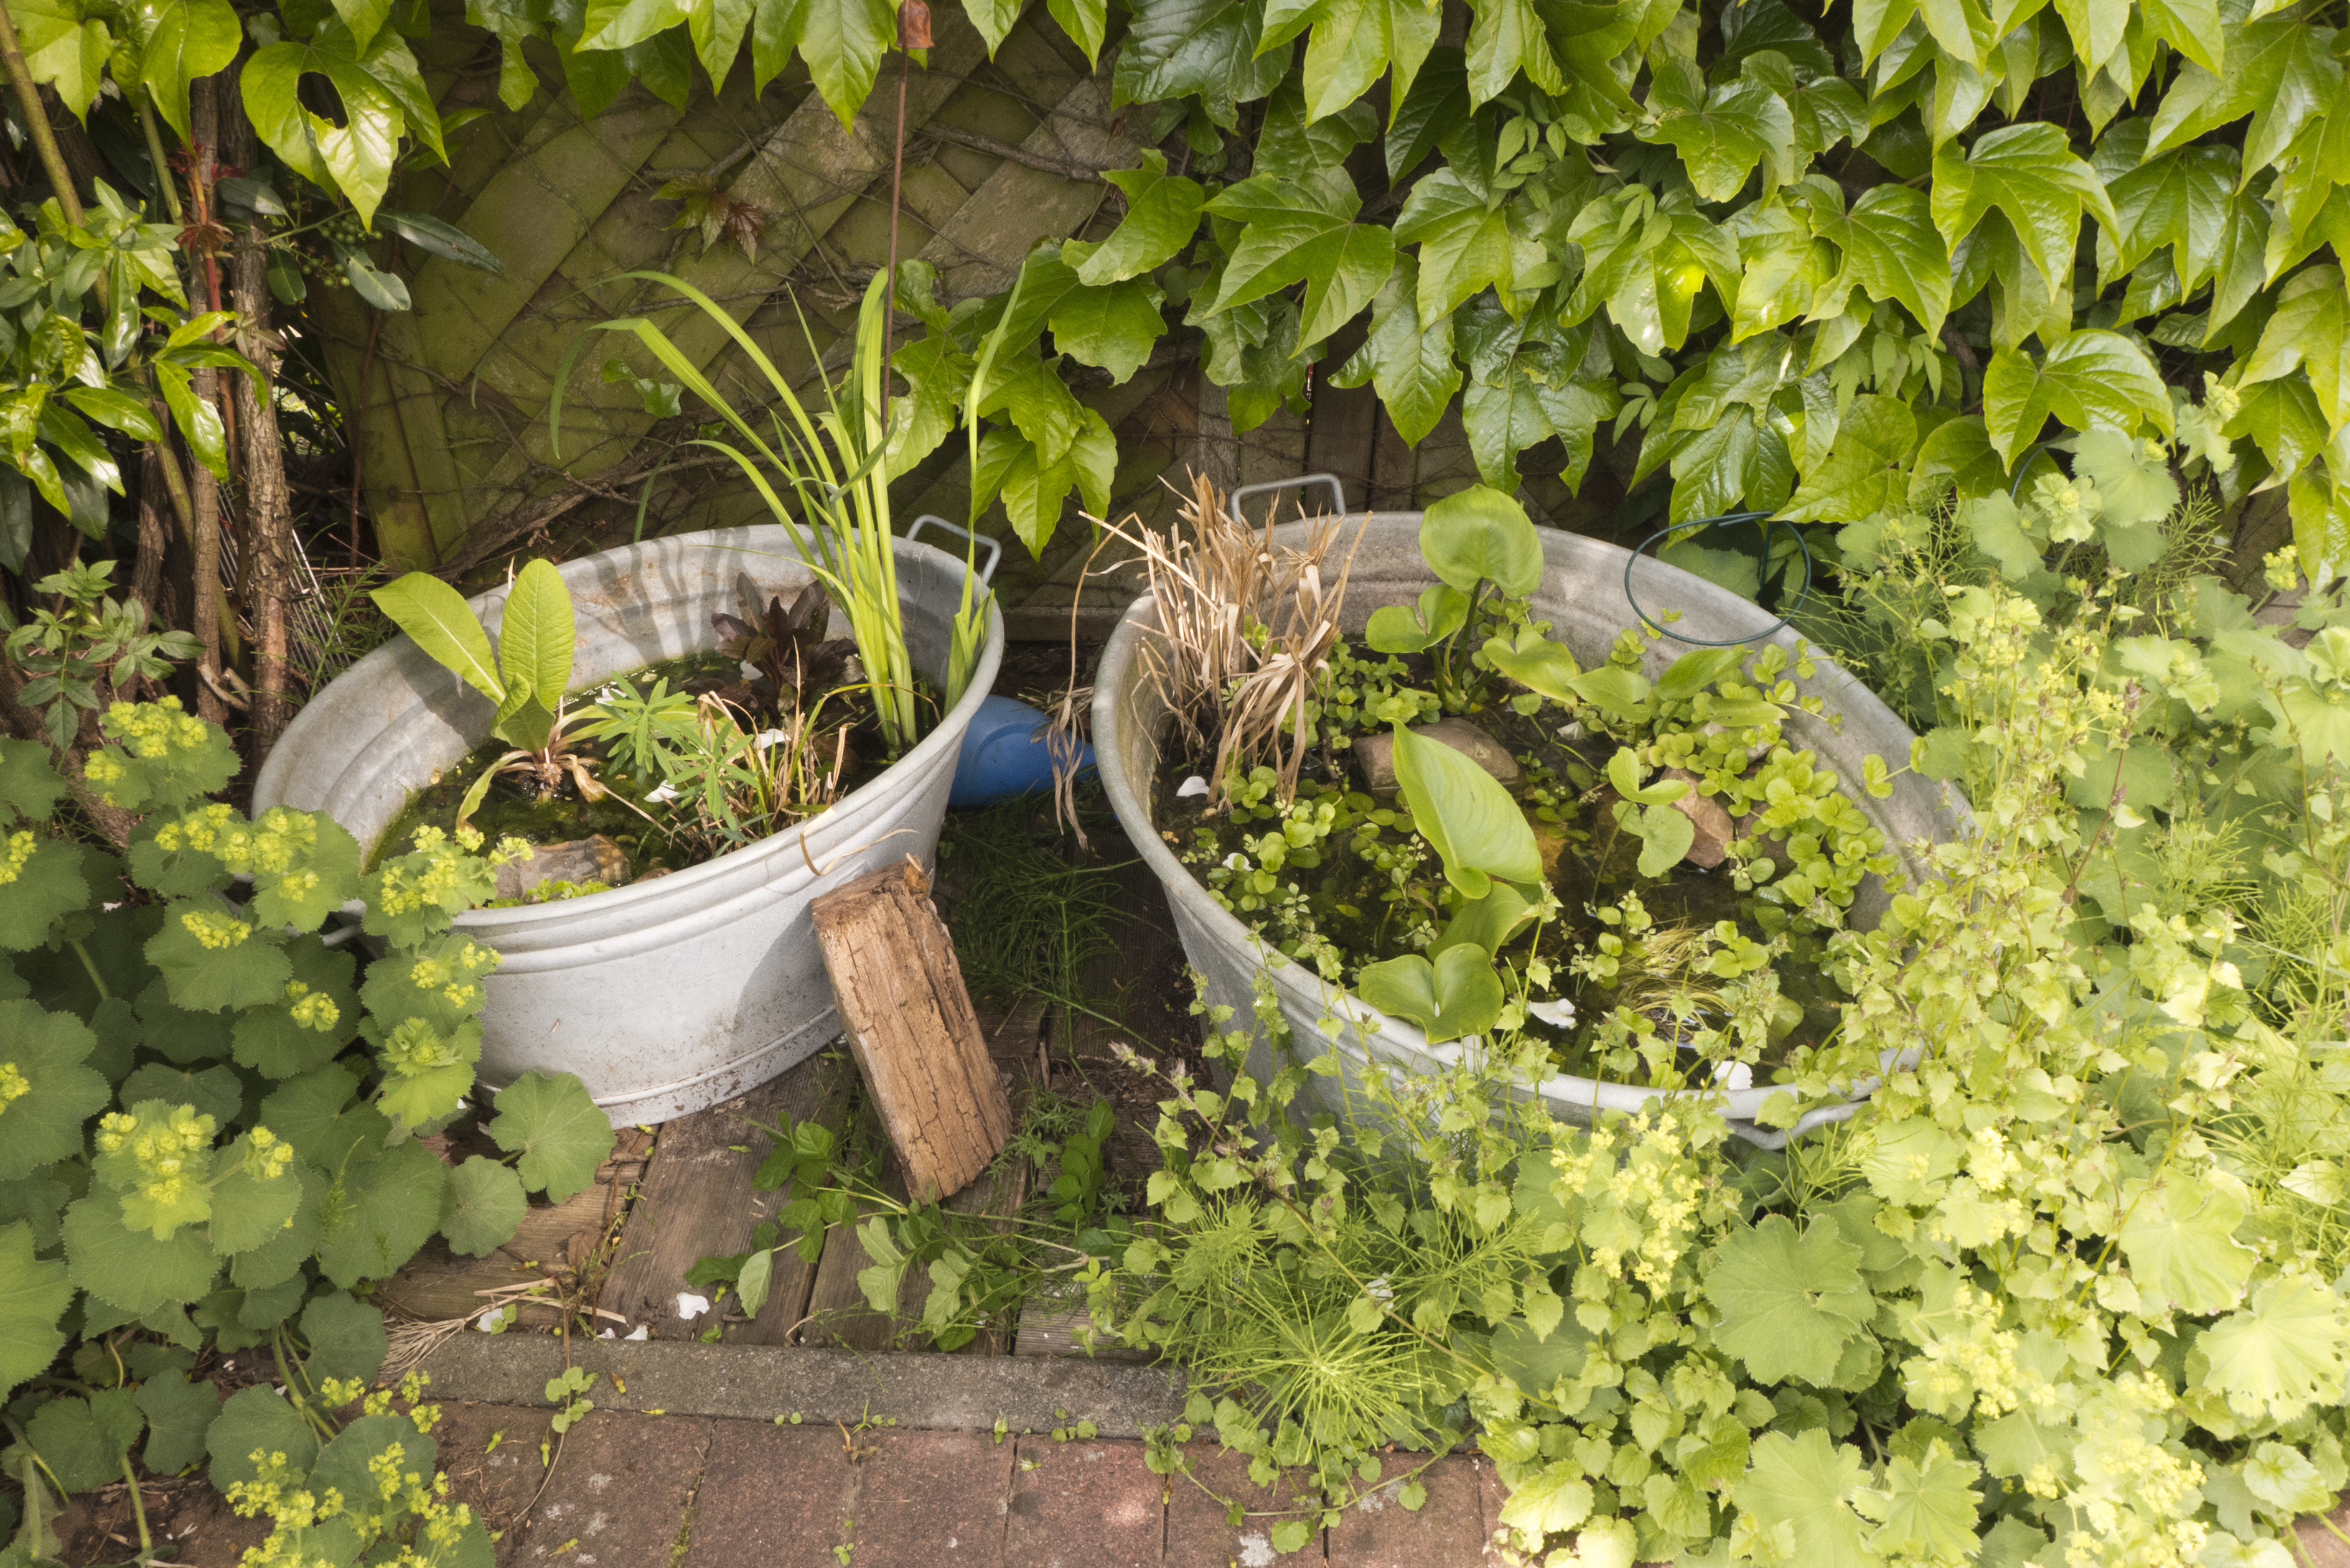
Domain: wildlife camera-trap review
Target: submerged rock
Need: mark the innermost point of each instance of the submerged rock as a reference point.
(593, 859)
(1374, 754)
(1715, 830)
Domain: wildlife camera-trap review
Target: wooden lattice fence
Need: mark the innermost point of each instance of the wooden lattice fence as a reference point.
(450, 398)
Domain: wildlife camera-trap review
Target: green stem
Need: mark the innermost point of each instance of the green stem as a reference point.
(95, 977)
(155, 155)
(138, 1510)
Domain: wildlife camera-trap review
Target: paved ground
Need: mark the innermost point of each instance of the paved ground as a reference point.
(633, 1491)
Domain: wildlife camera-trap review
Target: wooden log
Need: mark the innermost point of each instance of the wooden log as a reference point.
(912, 1028)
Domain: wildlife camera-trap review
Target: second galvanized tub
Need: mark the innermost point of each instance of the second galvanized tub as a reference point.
(676, 993)
(1582, 596)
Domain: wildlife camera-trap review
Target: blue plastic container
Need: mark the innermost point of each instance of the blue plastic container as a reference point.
(1004, 754)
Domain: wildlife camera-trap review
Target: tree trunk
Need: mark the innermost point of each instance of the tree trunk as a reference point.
(203, 487)
(269, 579)
(154, 539)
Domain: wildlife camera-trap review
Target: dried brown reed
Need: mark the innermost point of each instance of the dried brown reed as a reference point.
(1246, 629)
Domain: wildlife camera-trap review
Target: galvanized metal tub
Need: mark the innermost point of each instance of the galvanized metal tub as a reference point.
(673, 994)
(1583, 597)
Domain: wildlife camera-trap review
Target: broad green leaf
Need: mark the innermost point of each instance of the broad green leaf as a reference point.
(2133, 486)
(130, 1269)
(1890, 249)
(536, 635)
(1806, 1483)
(1162, 213)
(383, 96)
(2179, 1238)
(2182, 200)
(1354, 44)
(2276, 71)
(1487, 923)
(1466, 816)
(1113, 328)
(1723, 133)
(180, 1415)
(481, 1207)
(353, 1459)
(1302, 231)
(1086, 21)
(1790, 1300)
(64, 48)
(841, 42)
(2311, 330)
(250, 1205)
(2096, 25)
(1481, 533)
(2089, 380)
(83, 1441)
(445, 239)
(212, 959)
(305, 1028)
(1465, 241)
(30, 784)
(176, 42)
(1537, 662)
(378, 1211)
(2028, 174)
(1556, 1498)
(33, 1294)
(1177, 47)
(40, 878)
(50, 1092)
(551, 1123)
(270, 1269)
(1457, 995)
(1867, 468)
(1395, 628)
(1505, 37)
(1927, 1509)
(1411, 366)
(346, 1337)
(2285, 1352)
(255, 1423)
(445, 627)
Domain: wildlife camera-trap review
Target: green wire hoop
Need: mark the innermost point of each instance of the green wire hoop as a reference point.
(1769, 521)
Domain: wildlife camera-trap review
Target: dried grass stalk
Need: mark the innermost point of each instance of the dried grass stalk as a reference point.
(1246, 629)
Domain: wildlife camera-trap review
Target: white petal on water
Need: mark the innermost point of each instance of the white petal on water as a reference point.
(1558, 1014)
(691, 1306)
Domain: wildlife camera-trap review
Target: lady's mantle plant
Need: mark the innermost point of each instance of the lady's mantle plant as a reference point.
(208, 1119)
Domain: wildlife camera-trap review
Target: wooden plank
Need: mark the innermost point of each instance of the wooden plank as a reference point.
(696, 1199)
(1052, 1327)
(833, 1088)
(1342, 429)
(560, 1242)
(912, 1028)
(978, 249)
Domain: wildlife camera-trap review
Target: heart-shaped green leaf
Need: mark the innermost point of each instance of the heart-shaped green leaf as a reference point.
(1480, 533)
(1394, 629)
(1535, 662)
(442, 624)
(1458, 994)
(1487, 923)
(1469, 819)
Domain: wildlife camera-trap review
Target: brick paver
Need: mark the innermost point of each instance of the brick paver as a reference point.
(497, 1482)
(1199, 1533)
(927, 1497)
(1448, 1527)
(1084, 1505)
(620, 1495)
(2321, 1547)
(772, 1496)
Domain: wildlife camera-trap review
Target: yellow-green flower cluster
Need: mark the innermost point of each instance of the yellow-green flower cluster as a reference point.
(266, 1155)
(452, 972)
(156, 1155)
(429, 878)
(215, 929)
(416, 1048)
(150, 731)
(312, 1009)
(203, 829)
(12, 860)
(13, 1084)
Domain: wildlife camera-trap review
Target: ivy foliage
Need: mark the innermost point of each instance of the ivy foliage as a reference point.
(209, 1124)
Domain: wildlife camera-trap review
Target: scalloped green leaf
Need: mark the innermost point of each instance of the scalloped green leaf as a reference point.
(33, 1294)
(1790, 1300)
(551, 1122)
(212, 959)
(130, 1269)
(482, 1207)
(46, 1091)
(180, 1414)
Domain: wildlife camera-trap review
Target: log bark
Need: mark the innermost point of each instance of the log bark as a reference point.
(213, 627)
(268, 505)
(911, 1028)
